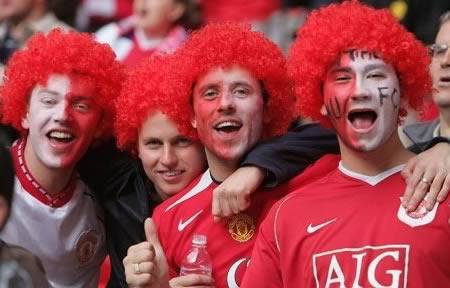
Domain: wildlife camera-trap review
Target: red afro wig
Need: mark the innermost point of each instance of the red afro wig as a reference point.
(60, 52)
(224, 45)
(334, 29)
(152, 87)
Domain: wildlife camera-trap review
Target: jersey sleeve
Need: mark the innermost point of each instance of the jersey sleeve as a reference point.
(265, 258)
(286, 156)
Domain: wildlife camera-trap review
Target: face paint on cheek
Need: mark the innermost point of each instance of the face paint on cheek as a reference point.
(383, 93)
(333, 107)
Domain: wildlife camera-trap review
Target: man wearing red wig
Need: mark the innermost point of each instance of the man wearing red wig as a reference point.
(237, 90)
(58, 93)
(349, 228)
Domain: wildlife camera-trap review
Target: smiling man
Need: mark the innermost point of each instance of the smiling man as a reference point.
(58, 93)
(236, 89)
(349, 228)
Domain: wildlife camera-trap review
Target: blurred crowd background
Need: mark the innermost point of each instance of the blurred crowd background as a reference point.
(278, 18)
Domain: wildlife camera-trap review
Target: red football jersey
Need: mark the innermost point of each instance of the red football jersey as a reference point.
(230, 242)
(350, 230)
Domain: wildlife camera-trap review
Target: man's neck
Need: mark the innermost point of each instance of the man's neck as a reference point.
(444, 122)
(53, 180)
(219, 168)
(390, 154)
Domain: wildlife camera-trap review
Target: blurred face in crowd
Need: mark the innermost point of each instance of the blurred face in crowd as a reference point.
(15, 10)
(228, 112)
(157, 17)
(62, 120)
(362, 99)
(440, 67)
(170, 160)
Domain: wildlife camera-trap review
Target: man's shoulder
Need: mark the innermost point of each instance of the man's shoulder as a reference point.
(315, 171)
(419, 133)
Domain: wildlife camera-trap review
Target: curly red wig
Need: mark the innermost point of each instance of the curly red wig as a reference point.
(224, 45)
(62, 53)
(332, 30)
(152, 87)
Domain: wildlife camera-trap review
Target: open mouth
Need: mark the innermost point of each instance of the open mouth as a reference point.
(445, 80)
(362, 119)
(60, 136)
(228, 126)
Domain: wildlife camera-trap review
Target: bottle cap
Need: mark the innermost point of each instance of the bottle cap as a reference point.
(199, 239)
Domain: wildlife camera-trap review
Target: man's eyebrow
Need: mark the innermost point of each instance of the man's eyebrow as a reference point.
(241, 83)
(81, 97)
(339, 68)
(374, 66)
(48, 91)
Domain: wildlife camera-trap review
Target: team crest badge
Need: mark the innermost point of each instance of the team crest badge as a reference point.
(86, 246)
(241, 227)
(420, 216)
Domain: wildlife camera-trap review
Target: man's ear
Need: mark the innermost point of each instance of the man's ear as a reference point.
(177, 11)
(25, 123)
(193, 122)
(323, 110)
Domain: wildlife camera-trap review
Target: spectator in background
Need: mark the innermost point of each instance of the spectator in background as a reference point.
(157, 26)
(268, 16)
(93, 14)
(419, 135)
(21, 19)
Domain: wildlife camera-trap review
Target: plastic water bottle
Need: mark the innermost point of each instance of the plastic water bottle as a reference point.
(197, 260)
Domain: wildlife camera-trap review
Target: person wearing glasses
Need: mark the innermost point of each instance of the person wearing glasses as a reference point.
(423, 135)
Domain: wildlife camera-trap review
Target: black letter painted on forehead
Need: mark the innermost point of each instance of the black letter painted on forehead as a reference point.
(361, 54)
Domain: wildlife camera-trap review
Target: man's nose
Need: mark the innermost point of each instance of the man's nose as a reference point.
(227, 104)
(168, 157)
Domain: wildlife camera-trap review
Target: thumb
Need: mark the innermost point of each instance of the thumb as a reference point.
(151, 233)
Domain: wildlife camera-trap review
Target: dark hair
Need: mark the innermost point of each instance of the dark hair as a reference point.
(6, 175)
(192, 16)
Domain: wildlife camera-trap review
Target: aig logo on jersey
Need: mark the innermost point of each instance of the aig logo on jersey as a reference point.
(368, 266)
(421, 216)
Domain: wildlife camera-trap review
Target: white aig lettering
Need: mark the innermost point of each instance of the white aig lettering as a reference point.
(369, 266)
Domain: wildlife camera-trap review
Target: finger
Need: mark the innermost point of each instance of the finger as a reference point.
(147, 255)
(420, 190)
(244, 202)
(137, 280)
(145, 268)
(151, 233)
(411, 184)
(215, 209)
(196, 280)
(145, 245)
(233, 203)
(444, 190)
(224, 208)
(435, 188)
(407, 171)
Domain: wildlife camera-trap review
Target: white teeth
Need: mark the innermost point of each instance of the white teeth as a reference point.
(172, 173)
(60, 135)
(227, 124)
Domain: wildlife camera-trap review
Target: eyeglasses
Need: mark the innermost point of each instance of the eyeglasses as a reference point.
(438, 50)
